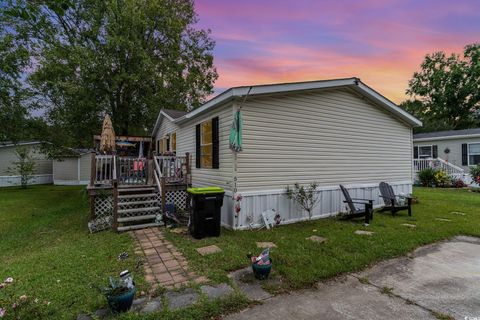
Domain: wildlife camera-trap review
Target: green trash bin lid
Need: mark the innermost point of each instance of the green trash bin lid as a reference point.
(206, 190)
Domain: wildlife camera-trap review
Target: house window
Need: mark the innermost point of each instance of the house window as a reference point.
(173, 140)
(425, 152)
(206, 145)
(473, 154)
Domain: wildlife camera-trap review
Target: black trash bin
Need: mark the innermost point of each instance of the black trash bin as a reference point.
(205, 211)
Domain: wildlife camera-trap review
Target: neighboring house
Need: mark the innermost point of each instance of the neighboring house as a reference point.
(332, 132)
(73, 169)
(43, 165)
(459, 147)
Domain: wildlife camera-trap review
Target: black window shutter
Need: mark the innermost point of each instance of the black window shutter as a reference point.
(215, 144)
(415, 152)
(435, 151)
(464, 154)
(198, 150)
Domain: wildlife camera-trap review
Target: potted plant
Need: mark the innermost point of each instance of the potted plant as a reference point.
(119, 294)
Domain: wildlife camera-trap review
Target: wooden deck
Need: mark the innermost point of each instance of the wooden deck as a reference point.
(134, 192)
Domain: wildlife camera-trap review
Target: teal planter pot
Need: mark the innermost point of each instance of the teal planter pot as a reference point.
(262, 272)
(122, 302)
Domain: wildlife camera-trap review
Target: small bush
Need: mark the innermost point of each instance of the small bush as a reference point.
(426, 177)
(475, 173)
(441, 178)
(458, 183)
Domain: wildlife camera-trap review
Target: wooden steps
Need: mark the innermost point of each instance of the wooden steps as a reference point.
(137, 210)
(138, 207)
(137, 218)
(136, 203)
(138, 226)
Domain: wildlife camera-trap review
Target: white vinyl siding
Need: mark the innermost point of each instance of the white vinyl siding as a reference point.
(223, 176)
(85, 167)
(43, 165)
(166, 127)
(454, 146)
(332, 137)
(66, 169)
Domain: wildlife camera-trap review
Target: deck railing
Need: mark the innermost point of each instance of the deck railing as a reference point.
(438, 163)
(139, 171)
(174, 169)
(132, 170)
(103, 169)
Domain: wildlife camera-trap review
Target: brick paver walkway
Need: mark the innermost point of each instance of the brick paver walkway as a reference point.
(164, 265)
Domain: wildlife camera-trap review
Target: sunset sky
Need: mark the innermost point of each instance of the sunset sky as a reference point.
(380, 41)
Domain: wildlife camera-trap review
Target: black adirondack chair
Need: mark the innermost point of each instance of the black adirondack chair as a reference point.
(366, 211)
(391, 200)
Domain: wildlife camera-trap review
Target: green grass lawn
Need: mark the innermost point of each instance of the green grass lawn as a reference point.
(301, 263)
(45, 246)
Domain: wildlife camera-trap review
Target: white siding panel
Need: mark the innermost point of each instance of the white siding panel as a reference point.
(331, 137)
(66, 169)
(455, 146)
(85, 167)
(166, 127)
(222, 177)
(43, 165)
(10, 181)
(330, 203)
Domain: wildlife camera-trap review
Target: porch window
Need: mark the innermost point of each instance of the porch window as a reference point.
(206, 145)
(425, 152)
(473, 154)
(173, 141)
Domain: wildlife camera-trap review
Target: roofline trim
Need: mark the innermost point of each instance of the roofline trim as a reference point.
(20, 144)
(461, 136)
(239, 92)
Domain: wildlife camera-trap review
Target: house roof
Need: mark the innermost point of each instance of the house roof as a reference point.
(256, 90)
(174, 114)
(18, 143)
(449, 134)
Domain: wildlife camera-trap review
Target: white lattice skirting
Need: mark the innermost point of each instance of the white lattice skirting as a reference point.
(103, 205)
(331, 203)
(11, 181)
(179, 197)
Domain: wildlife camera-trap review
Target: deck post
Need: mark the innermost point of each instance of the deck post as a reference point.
(150, 172)
(115, 206)
(164, 195)
(93, 170)
(91, 196)
(187, 164)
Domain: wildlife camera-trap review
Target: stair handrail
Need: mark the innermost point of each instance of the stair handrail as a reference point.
(157, 173)
(457, 168)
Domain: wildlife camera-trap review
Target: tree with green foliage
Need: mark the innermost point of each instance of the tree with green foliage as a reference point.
(24, 166)
(127, 58)
(446, 91)
(13, 112)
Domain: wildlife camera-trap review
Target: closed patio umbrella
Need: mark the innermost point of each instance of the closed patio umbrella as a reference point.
(107, 139)
(236, 132)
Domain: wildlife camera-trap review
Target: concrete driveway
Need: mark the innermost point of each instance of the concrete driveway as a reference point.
(434, 282)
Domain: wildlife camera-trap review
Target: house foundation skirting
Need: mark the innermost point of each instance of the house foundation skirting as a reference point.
(330, 203)
(10, 181)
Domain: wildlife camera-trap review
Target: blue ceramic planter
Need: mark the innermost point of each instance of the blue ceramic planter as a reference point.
(122, 302)
(262, 272)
